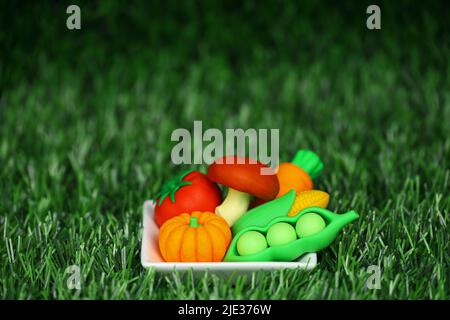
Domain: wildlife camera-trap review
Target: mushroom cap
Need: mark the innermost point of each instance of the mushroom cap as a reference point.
(244, 174)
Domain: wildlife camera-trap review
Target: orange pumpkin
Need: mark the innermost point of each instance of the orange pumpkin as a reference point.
(195, 237)
(290, 177)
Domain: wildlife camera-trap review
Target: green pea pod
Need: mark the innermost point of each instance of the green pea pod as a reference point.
(295, 249)
(262, 215)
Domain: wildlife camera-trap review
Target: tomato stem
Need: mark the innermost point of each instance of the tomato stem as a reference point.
(171, 186)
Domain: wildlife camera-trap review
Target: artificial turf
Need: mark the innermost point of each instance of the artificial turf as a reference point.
(86, 118)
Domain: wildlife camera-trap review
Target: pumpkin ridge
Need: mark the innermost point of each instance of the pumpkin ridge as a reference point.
(222, 242)
(185, 218)
(195, 242)
(211, 239)
(178, 219)
(172, 232)
(184, 245)
(167, 224)
(167, 230)
(215, 218)
(180, 245)
(223, 224)
(219, 231)
(164, 243)
(203, 233)
(205, 218)
(219, 222)
(219, 225)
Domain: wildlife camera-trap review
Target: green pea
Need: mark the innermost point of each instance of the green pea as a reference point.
(280, 233)
(251, 242)
(309, 224)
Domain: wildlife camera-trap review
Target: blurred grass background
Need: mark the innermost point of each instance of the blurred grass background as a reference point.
(86, 118)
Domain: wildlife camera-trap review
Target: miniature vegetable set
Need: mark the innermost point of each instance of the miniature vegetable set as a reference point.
(263, 217)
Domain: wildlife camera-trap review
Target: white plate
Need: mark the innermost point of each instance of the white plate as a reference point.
(151, 257)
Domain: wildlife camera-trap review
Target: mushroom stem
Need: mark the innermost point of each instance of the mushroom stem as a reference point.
(234, 206)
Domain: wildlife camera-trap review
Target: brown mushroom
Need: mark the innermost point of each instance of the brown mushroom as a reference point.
(243, 178)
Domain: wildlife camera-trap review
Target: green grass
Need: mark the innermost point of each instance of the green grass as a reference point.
(86, 118)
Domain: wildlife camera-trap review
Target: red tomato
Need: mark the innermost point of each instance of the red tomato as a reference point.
(188, 192)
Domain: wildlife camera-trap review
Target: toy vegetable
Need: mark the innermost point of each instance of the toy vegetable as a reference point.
(262, 215)
(313, 242)
(250, 243)
(185, 193)
(280, 233)
(288, 205)
(309, 224)
(309, 198)
(195, 237)
(243, 178)
(299, 173)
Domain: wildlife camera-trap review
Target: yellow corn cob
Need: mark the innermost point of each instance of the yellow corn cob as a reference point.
(309, 198)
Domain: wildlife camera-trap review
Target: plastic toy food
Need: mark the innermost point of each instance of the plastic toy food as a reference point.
(185, 193)
(195, 237)
(308, 161)
(309, 198)
(294, 249)
(309, 224)
(280, 233)
(291, 176)
(288, 205)
(289, 221)
(262, 215)
(299, 173)
(250, 243)
(243, 179)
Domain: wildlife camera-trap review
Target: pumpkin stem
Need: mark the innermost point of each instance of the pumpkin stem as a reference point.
(193, 222)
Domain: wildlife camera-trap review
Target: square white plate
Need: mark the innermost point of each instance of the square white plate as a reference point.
(151, 257)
